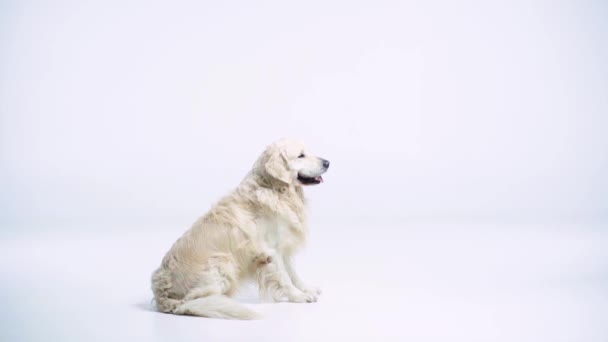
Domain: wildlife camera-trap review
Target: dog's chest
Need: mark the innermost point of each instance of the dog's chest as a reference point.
(275, 233)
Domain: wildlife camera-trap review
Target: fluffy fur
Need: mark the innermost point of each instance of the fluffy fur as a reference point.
(251, 233)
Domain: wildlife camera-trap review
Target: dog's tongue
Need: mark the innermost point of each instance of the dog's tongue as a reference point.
(319, 179)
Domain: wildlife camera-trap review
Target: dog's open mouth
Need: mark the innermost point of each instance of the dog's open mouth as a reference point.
(310, 180)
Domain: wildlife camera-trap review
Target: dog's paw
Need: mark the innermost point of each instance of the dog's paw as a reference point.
(312, 290)
(303, 297)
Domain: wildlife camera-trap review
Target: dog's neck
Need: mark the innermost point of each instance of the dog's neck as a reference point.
(278, 186)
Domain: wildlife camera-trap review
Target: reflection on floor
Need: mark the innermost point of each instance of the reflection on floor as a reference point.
(420, 281)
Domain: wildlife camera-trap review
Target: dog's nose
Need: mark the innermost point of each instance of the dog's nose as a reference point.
(325, 163)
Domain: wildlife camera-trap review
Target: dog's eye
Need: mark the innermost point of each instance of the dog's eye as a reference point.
(301, 155)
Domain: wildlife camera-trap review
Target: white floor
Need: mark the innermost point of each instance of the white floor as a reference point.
(417, 282)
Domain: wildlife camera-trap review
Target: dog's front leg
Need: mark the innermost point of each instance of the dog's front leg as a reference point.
(297, 282)
(275, 282)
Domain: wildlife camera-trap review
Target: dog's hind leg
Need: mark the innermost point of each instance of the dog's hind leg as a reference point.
(218, 277)
(209, 297)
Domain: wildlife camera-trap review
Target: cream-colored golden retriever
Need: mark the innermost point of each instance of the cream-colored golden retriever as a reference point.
(250, 234)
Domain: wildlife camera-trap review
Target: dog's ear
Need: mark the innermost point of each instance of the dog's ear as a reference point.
(276, 166)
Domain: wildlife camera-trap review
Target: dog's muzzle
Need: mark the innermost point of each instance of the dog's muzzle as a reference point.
(313, 180)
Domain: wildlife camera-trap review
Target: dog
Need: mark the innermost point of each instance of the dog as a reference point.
(252, 233)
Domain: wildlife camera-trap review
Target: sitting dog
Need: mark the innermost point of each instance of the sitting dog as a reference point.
(252, 233)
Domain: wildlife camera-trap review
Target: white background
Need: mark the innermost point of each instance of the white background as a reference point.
(446, 122)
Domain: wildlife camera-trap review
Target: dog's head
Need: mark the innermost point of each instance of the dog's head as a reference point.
(290, 162)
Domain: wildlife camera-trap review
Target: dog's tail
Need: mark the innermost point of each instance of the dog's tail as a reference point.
(216, 306)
